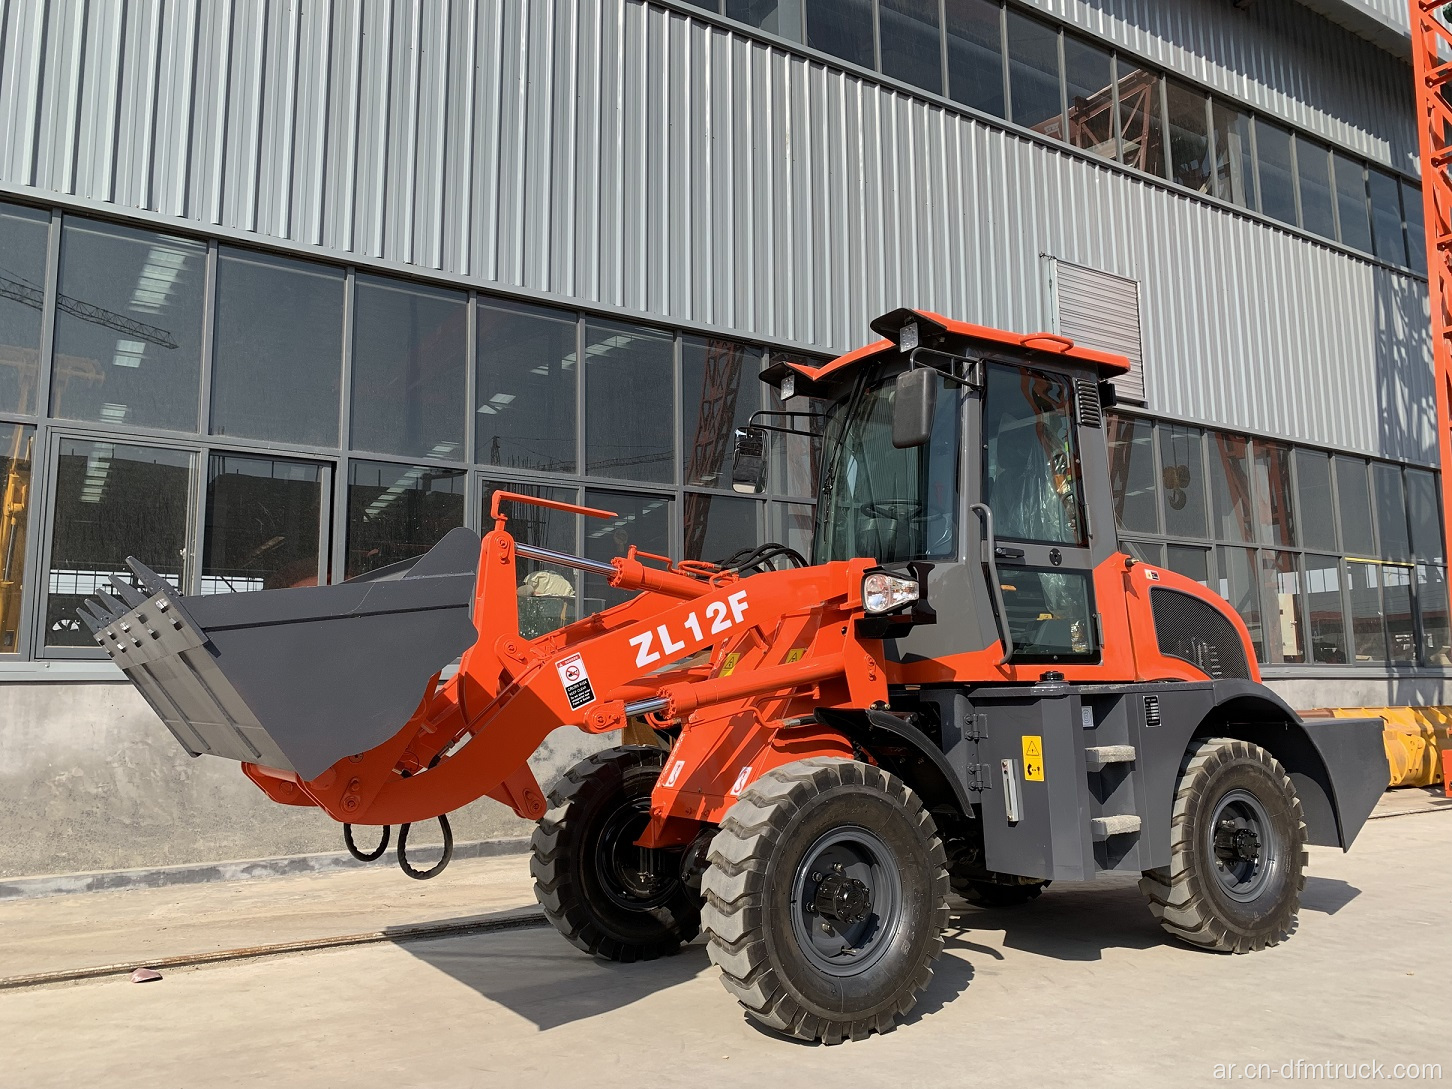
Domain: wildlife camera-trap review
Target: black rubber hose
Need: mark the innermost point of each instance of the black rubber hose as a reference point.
(438, 867)
(353, 847)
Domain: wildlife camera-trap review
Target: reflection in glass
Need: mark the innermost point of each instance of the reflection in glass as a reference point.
(1033, 75)
(1368, 635)
(23, 234)
(17, 448)
(112, 501)
(1277, 182)
(1317, 521)
(911, 42)
(1189, 136)
(263, 525)
(396, 512)
(1391, 511)
(975, 55)
(1140, 119)
(1325, 610)
(642, 522)
(1351, 203)
(1151, 552)
(1423, 510)
(548, 593)
(1050, 614)
(1275, 510)
(1432, 608)
(1132, 474)
(1416, 236)
(792, 524)
(1386, 217)
(630, 389)
(720, 392)
(717, 526)
(842, 28)
(1313, 164)
(1193, 563)
(1353, 499)
(795, 462)
(409, 358)
(525, 416)
(1280, 582)
(1230, 488)
(1031, 460)
(1234, 166)
(277, 355)
(1182, 481)
(1396, 603)
(781, 17)
(128, 331)
(1239, 584)
(1088, 75)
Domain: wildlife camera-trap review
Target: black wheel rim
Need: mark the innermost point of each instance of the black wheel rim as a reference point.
(634, 878)
(1242, 846)
(847, 901)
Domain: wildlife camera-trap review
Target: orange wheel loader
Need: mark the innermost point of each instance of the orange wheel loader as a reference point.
(969, 688)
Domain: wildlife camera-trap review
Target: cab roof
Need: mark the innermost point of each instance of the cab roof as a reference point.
(932, 326)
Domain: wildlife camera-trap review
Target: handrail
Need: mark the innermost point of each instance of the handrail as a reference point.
(990, 551)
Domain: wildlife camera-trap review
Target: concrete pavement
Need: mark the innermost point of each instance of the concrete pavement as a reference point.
(1078, 988)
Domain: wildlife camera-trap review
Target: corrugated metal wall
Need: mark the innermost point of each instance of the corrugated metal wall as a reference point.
(633, 157)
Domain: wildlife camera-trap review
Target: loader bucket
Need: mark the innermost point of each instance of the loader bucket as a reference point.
(292, 679)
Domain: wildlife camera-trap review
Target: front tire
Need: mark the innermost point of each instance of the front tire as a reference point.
(826, 899)
(1238, 851)
(608, 897)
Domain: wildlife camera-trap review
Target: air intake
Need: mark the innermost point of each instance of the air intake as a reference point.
(1091, 412)
(1195, 631)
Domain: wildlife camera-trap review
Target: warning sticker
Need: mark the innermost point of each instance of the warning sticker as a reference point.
(1033, 758)
(796, 654)
(728, 667)
(576, 679)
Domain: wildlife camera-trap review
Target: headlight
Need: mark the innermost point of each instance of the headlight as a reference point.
(884, 593)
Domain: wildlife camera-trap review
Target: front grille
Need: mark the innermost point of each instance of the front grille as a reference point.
(1196, 632)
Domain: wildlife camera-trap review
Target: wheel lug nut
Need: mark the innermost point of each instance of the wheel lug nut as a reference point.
(827, 928)
(816, 875)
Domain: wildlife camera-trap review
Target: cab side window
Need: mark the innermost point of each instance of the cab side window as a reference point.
(1031, 467)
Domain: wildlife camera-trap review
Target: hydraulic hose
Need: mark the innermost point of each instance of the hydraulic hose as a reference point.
(438, 867)
(353, 847)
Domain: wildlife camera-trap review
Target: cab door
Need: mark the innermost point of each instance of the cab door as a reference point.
(1033, 486)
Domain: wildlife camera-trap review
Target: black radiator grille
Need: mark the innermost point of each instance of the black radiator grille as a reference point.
(1195, 632)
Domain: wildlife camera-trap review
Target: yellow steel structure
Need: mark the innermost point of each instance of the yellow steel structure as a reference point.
(14, 503)
(1415, 739)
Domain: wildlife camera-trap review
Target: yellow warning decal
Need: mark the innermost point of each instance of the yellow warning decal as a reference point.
(728, 667)
(1033, 758)
(796, 654)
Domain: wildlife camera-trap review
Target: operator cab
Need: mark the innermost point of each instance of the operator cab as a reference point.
(973, 461)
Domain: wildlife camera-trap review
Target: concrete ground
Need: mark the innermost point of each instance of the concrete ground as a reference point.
(1078, 988)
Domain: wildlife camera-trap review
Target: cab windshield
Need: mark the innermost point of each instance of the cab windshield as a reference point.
(878, 501)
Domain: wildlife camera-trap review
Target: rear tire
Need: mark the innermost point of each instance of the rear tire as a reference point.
(607, 897)
(826, 899)
(1238, 851)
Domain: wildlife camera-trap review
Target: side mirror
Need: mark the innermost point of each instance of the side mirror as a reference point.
(748, 463)
(914, 402)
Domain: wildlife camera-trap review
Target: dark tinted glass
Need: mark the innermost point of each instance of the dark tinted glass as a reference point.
(1317, 513)
(1189, 137)
(842, 28)
(1230, 488)
(1234, 164)
(1396, 603)
(1240, 585)
(1033, 75)
(409, 358)
(1351, 203)
(720, 393)
(1141, 120)
(396, 512)
(796, 462)
(1029, 458)
(1088, 79)
(1386, 217)
(1325, 611)
(716, 526)
(1151, 552)
(548, 593)
(277, 357)
(23, 234)
(1193, 563)
(525, 417)
(1353, 500)
(1050, 615)
(792, 525)
(975, 55)
(1313, 164)
(630, 392)
(17, 449)
(112, 501)
(1432, 608)
(1391, 511)
(1277, 182)
(1182, 481)
(782, 17)
(1280, 584)
(1416, 237)
(642, 521)
(128, 332)
(263, 528)
(1132, 474)
(1275, 505)
(1368, 636)
(911, 42)
(1424, 512)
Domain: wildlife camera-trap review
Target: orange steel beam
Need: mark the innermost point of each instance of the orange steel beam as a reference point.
(1432, 69)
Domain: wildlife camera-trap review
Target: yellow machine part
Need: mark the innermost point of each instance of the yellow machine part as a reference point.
(1415, 738)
